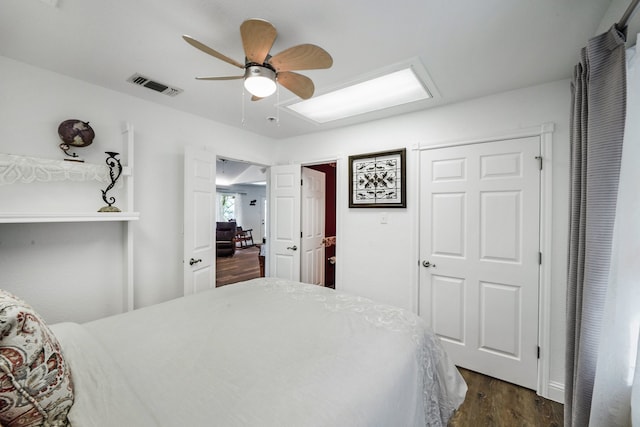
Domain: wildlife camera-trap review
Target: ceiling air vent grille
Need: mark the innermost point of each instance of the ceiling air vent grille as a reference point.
(140, 80)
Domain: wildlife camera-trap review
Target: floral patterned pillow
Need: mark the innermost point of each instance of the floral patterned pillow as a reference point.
(35, 382)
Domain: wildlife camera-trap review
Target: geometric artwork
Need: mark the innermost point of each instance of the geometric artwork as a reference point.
(378, 180)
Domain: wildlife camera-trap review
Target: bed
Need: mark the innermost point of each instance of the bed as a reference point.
(266, 352)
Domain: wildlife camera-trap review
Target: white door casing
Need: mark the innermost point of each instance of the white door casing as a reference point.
(263, 222)
(284, 222)
(312, 225)
(479, 250)
(199, 220)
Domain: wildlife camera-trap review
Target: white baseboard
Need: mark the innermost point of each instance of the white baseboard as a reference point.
(555, 391)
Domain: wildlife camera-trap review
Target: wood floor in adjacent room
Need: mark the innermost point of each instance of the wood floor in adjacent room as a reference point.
(243, 265)
(494, 403)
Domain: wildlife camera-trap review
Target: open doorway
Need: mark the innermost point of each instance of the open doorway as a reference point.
(329, 170)
(297, 233)
(241, 189)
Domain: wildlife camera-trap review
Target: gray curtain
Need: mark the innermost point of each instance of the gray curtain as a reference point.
(597, 129)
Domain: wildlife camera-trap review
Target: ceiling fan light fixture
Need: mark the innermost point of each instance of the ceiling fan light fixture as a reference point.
(260, 81)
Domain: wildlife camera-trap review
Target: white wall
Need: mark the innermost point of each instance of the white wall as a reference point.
(380, 260)
(73, 271)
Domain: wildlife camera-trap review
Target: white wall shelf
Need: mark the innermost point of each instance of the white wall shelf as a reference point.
(15, 169)
(32, 217)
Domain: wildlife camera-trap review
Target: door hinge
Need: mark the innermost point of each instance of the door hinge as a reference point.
(539, 258)
(539, 158)
(538, 352)
(301, 183)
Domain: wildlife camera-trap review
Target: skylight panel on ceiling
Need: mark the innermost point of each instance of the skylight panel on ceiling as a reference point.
(393, 89)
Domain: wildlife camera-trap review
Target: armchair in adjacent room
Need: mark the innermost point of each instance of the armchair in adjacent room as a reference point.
(244, 237)
(225, 238)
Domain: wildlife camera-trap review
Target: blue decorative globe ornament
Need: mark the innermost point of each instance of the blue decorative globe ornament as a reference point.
(75, 133)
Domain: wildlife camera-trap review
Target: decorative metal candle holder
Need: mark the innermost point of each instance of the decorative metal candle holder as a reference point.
(115, 170)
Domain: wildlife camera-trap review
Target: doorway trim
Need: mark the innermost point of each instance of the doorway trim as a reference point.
(241, 159)
(545, 387)
(341, 162)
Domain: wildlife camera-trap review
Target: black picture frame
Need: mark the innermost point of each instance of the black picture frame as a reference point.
(378, 180)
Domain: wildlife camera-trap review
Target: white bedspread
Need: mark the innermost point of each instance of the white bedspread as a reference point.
(267, 352)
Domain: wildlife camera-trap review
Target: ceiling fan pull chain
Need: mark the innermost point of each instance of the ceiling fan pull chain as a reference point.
(243, 96)
(277, 104)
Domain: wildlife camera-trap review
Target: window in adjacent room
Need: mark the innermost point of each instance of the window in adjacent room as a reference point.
(226, 206)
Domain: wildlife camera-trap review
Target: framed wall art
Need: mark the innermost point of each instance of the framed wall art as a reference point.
(378, 180)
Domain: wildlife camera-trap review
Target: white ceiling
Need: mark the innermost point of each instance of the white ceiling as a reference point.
(470, 48)
(234, 172)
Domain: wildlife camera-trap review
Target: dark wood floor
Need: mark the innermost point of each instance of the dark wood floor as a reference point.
(494, 403)
(243, 265)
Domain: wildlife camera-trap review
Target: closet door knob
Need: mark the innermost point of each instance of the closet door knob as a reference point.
(293, 248)
(427, 264)
(194, 261)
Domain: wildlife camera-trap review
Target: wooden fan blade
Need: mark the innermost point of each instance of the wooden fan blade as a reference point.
(258, 36)
(297, 83)
(206, 49)
(302, 57)
(221, 78)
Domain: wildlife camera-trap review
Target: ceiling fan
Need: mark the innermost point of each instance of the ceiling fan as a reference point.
(262, 70)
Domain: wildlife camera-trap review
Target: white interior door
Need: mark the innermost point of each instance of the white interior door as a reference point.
(199, 220)
(284, 222)
(479, 249)
(312, 223)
